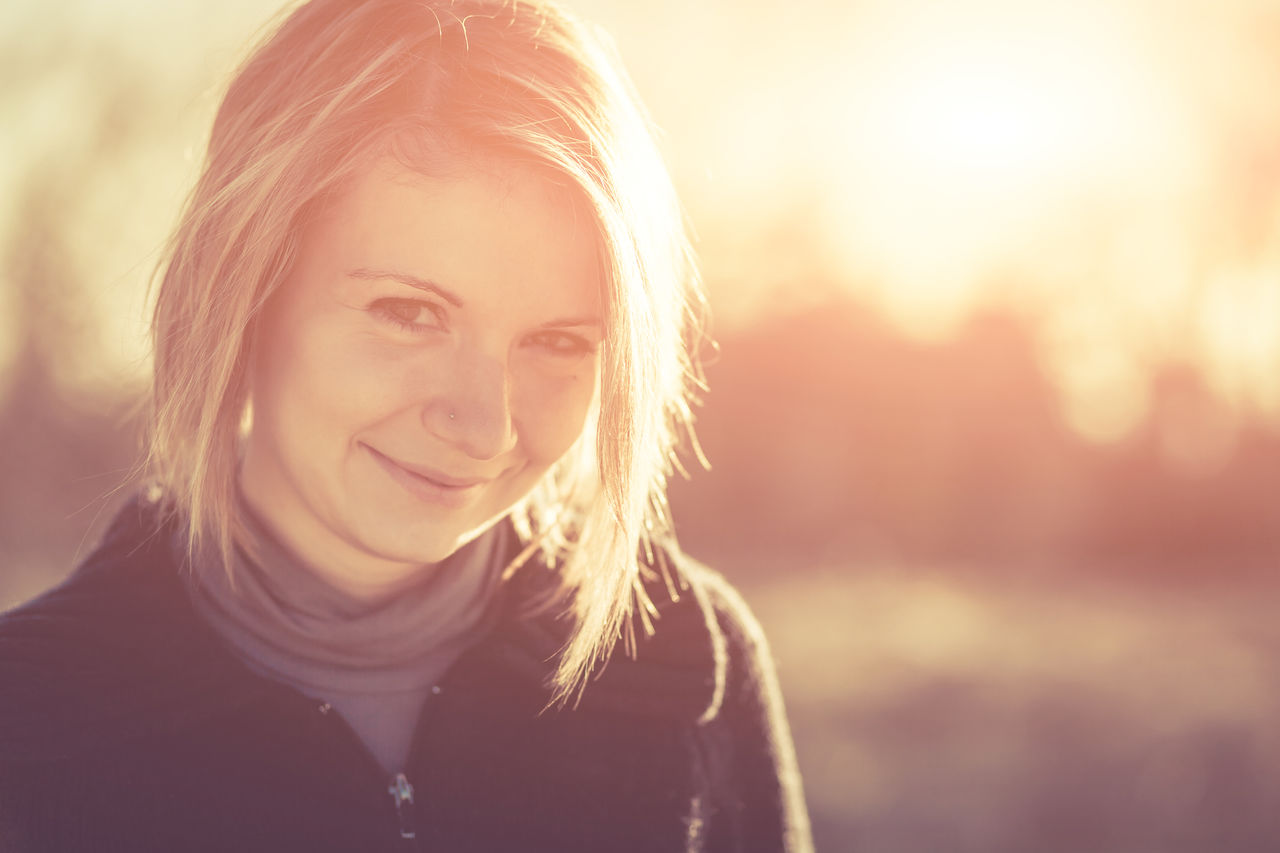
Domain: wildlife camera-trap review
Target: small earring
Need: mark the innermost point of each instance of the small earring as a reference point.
(451, 416)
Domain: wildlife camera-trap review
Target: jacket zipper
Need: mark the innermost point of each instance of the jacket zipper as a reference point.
(401, 791)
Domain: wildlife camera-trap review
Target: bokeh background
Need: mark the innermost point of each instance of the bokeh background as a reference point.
(994, 422)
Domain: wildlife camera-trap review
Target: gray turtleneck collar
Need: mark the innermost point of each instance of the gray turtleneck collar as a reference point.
(374, 663)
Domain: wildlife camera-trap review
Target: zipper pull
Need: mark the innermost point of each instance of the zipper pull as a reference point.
(401, 792)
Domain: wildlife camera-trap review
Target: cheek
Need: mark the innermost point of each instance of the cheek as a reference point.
(318, 383)
(550, 412)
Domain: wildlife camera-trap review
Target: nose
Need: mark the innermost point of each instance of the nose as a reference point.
(473, 413)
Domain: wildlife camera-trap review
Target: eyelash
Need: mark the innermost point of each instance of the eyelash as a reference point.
(576, 346)
(385, 309)
(558, 344)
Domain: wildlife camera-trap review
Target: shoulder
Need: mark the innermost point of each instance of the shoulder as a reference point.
(133, 543)
(757, 792)
(723, 606)
(700, 640)
(757, 799)
(104, 591)
(77, 662)
(741, 651)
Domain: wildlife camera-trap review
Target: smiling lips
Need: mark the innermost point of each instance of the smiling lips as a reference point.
(429, 485)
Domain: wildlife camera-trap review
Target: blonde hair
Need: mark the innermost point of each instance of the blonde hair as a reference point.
(434, 82)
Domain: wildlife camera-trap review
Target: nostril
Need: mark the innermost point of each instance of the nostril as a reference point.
(471, 408)
(480, 429)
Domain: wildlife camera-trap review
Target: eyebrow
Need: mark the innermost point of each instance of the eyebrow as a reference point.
(411, 280)
(453, 299)
(567, 322)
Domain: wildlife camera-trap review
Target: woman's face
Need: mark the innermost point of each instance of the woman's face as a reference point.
(433, 353)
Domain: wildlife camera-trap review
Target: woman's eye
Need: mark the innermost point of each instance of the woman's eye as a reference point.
(412, 315)
(563, 344)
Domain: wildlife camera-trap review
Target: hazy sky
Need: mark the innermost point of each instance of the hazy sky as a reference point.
(1109, 168)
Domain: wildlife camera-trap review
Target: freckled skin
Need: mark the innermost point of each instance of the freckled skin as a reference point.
(355, 376)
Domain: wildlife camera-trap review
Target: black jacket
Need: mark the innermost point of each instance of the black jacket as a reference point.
(127, 725)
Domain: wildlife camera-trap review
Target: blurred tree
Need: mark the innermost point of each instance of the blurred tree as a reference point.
(66, 448)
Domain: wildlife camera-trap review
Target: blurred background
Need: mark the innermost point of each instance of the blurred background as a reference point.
(994, 424)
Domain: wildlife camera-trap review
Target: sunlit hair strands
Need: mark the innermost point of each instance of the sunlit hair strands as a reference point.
(442, 86)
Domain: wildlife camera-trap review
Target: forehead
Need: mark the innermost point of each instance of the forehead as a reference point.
(502, 235)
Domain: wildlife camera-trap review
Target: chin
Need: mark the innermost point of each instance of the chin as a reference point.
(402, 544)
(411, 551)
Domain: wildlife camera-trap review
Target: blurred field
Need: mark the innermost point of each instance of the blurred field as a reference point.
(943, 710)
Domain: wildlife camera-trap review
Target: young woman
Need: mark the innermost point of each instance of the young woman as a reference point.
(424, 355)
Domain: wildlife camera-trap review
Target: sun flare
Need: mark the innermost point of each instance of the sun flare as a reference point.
(967, 139)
